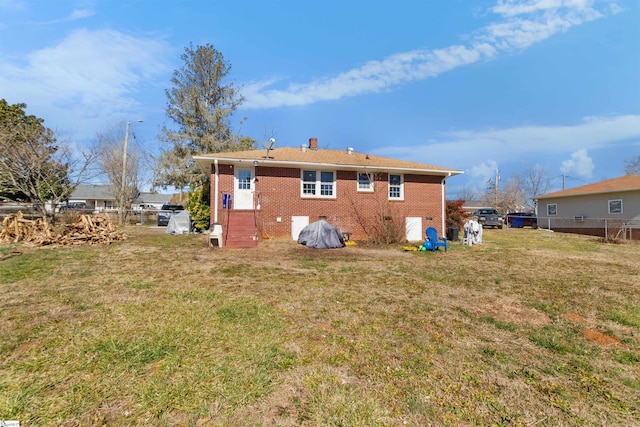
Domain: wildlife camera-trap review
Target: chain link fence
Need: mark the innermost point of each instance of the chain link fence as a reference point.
(607, 228)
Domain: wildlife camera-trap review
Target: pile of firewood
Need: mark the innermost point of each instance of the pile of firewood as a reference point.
(88, 229)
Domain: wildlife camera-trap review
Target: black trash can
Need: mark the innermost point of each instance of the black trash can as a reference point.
(452, 233)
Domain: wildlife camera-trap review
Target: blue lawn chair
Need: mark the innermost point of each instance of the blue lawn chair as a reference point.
(432, 236)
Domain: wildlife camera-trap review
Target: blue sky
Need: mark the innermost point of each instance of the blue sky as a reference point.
(474, 85)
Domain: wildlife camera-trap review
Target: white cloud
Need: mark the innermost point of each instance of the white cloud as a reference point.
(482, 174)
(75, 15)
(580, 164)
(81, 13)
(372, 77)
(90, 76)
(524, 23)
(468, 147)
(518, 7)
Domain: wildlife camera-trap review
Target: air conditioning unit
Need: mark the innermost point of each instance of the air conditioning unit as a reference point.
(579, 218)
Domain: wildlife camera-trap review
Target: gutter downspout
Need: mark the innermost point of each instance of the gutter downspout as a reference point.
(444, 205)
(215, 191)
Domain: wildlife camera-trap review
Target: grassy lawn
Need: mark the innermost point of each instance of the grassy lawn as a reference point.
(529, 328)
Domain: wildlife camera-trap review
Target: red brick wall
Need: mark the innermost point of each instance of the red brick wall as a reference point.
(278, 194)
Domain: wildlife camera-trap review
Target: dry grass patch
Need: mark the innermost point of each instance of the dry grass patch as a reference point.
(163, 330)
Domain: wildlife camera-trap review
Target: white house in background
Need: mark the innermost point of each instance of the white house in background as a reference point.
(470, 206)
(609, 208)
(99, 198)
(151, 201)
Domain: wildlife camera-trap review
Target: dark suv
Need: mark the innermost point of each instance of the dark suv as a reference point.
(164, 214)
(488, 218)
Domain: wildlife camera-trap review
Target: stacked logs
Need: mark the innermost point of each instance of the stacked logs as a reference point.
(88, 229)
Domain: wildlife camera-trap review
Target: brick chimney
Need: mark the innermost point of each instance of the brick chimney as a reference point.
(313, 143)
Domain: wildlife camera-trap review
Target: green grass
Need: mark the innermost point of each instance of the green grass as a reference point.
(162, 330)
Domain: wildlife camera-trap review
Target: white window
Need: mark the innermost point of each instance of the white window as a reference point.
(552, 209)
(396, 187)
(365, 181)
(320, 184)
(615, 206)
(244, 179)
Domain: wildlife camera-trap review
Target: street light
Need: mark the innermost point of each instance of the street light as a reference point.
(123, 187)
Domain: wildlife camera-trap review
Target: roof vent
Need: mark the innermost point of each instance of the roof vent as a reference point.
(303, 148)
(350, 150)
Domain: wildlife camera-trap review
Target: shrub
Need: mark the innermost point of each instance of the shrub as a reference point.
(456, 215)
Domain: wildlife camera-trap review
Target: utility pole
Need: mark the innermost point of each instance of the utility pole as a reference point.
(495, 203)
(123, 184)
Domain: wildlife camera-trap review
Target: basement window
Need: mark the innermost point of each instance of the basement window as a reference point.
(320, 184)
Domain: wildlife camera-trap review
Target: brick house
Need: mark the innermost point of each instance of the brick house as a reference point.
(609, 209)
(275, 193)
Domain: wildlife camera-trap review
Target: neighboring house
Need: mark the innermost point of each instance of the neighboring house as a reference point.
(99, 198)
(608, 209)
(151, 201)
(470, 206)
(280, 191)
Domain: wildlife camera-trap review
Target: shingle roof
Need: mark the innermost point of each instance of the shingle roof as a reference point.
(89, 191)
(104, 192)
(158, 198)
(625, 183)
(296, 157)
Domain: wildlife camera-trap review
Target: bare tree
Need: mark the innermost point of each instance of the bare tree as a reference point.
(467, 193)
(514, 197)
(377, 218)
(491, 195)
(536, 181)
(111, 162)
(632, 166)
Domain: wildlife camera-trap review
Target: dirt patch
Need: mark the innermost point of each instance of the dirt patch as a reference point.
(511, 311)
(600, 338)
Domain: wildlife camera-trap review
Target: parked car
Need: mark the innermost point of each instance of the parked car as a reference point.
(164, 214)
(488, 218)
(75, 207)
(521, 219)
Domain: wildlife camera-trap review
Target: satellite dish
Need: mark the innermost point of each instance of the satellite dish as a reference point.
(272, 142)
(269, 147)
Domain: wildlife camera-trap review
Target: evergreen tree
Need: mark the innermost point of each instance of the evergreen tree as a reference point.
(200, 105)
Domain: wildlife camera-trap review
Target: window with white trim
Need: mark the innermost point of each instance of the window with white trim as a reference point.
(396, 187)
(244, 179)
(319, 184)
(615, 206)
(552, 209)
(365, 181)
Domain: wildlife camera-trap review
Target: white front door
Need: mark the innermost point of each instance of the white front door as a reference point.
(243, 193)
(297, 224)
(414, 228)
